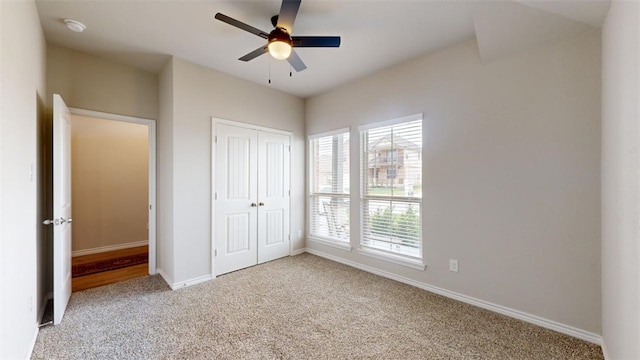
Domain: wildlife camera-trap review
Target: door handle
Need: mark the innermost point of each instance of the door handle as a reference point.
(57, 221)
(261, 204)
(253, 205)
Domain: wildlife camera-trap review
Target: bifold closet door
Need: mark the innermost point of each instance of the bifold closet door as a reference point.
(273, 196)
(236, 205)
(252, 185)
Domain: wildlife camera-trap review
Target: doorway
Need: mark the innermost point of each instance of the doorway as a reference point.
(113, 196)
(251, 207)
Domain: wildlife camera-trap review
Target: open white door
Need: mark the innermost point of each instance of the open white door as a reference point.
(273, 196)
(61, 208)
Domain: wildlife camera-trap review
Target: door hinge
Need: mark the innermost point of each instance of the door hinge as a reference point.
(150, 207)
(289, 192)
(215, 196)
(215, 139)
(215, 252)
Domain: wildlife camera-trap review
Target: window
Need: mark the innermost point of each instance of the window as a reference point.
(391, 187)
(392, 155)
(391, 173)
(329, 187)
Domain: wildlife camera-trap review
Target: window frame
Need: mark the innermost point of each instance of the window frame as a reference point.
(326, 240)
(416, 262)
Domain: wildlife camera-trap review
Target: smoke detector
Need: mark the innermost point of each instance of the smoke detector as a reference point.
(74, 25)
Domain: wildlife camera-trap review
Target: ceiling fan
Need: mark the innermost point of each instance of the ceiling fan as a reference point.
(280, 43)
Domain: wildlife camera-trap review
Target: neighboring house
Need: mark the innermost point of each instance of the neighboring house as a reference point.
(324, 178)
(394, 161)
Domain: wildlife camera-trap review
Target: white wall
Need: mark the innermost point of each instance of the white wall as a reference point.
(621, 181)
(198, 94)
(22, 98)
(511, 173)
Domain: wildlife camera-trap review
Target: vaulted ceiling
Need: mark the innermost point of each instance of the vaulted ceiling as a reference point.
(375, 34)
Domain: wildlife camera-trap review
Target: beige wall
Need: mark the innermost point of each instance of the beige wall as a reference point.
(110, 177)
(198, 94)
(22, 245)
(621, 181)
(511, 173)
(89, 82)
(164, 237)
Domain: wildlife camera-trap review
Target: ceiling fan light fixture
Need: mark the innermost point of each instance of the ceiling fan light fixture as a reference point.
(280, 46)
(280, 50)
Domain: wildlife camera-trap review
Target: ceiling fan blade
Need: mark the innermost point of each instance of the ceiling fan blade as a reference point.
(255, 53)
(316, 41)
(241, 25)
(287, 16)
(296, 62)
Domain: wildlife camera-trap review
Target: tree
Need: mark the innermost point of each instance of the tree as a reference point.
(382, 222)
(403, 227)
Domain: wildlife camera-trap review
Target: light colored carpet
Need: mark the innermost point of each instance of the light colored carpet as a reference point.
(301, 307)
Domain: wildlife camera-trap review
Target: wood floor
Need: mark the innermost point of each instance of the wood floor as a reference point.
(111, 276)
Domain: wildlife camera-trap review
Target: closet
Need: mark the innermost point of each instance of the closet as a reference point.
(251, 188)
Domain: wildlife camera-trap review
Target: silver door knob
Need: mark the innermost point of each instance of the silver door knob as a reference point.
(261, 204)
(253, 205)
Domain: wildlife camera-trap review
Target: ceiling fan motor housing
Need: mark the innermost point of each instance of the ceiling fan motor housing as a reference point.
(279, 34)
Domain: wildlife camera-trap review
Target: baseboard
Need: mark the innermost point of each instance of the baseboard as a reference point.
(33, 341)
(298, 252)
(533, 319)
(109, 248)
(194, 281)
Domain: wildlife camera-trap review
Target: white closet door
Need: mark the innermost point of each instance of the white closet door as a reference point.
(236, 205)
(273, 196)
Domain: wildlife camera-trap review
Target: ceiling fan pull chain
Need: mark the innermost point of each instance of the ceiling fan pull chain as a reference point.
(290, 71)
(269, 71)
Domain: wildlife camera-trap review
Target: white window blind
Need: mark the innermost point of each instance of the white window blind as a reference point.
(391, 156)
(329, 194)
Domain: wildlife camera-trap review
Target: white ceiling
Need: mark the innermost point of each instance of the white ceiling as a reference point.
(375, 34)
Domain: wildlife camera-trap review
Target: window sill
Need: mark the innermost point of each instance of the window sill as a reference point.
(400, 260)
(333, 243)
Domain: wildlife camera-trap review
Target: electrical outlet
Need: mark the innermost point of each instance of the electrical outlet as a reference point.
(453, 265)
